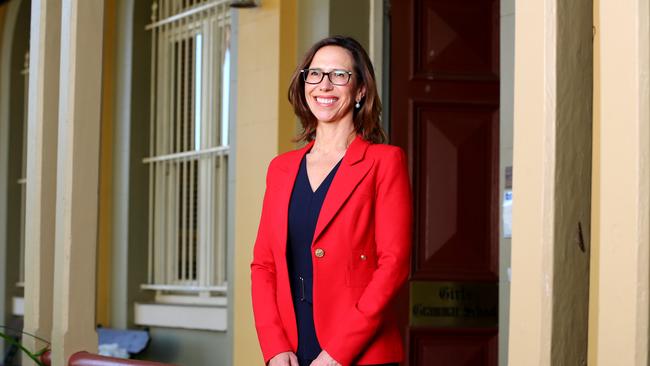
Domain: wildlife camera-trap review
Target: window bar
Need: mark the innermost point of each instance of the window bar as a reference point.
(201, 119)
(192, 170)
(192, 214)
(191, 147)
(225, 87)
(209, 127)
(200, 190)
(201, 9)
(186, 147)
(219, 162)
(152, 119)
(193, 165)
(208, 242)
(159, 236)
(214, 217)
(205, 171)
(194, 147)
(165, 125)
(216, 117)
(214, 122)
(187, 155)
(223, 130)
(180, 187)
(155, 237)
(163, 77)
(221, 216)
(177, 45)
(159, 168)
(168, 128)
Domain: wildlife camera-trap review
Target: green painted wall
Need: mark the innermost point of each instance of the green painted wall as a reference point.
(15, 158)
(188, 347)
(351, 18)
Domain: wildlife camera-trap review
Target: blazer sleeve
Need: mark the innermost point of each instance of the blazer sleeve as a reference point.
(393, 217)
(270, 331)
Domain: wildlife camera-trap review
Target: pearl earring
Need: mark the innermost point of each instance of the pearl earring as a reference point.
(357, 105)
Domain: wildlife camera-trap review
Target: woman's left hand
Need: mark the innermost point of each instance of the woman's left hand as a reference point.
(324, 359)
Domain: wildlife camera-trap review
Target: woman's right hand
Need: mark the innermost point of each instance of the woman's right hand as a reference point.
(284, 359)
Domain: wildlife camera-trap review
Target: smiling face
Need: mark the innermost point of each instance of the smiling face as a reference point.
(329, 102)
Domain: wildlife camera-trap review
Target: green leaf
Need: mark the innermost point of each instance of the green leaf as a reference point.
(22, 348)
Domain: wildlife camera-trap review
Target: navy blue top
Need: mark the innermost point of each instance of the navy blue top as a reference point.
(304, 208)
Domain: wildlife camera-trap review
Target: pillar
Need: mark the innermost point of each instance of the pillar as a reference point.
(551, 183)
(42, 124)
(620, 308)
(77, 179)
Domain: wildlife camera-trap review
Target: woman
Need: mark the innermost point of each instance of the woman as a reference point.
(333, 244)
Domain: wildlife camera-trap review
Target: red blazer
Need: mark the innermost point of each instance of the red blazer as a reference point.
(360, 256)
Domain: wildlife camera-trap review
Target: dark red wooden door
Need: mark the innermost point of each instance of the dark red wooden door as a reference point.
(445, 114)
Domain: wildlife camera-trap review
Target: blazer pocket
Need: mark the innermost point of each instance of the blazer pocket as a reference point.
(360, 269)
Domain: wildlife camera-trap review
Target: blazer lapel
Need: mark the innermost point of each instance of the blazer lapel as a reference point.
(289, 171)
(352, 170)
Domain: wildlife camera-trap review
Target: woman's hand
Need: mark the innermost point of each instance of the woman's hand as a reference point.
(324, 359)
(284, 359)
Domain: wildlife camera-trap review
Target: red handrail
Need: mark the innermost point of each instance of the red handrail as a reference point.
(89, 359)
(46, 358)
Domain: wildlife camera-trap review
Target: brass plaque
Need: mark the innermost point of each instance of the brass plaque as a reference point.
(454, 304)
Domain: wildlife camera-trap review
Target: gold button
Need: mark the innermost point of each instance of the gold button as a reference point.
(363, 257)
(319, 252)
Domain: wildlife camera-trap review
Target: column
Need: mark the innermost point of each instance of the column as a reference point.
(622, 226)
(551, 183)
(77, 179)
(42, 124)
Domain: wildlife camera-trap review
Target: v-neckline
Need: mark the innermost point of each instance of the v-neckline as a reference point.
(311, 188)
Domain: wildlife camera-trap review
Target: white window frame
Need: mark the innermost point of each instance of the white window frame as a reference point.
(176, 279)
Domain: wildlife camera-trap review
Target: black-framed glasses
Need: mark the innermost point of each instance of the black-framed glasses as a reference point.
(315, 76)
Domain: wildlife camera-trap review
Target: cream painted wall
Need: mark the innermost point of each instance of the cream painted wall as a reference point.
(267, 47)
(620, 308)
(594, 269)
(529, 332)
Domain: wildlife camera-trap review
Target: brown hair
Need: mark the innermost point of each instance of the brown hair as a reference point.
(367, 118)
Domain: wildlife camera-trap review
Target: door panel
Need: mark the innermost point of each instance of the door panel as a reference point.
(455, 157)
(445, 114)
(447, 44)
(449, 348)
